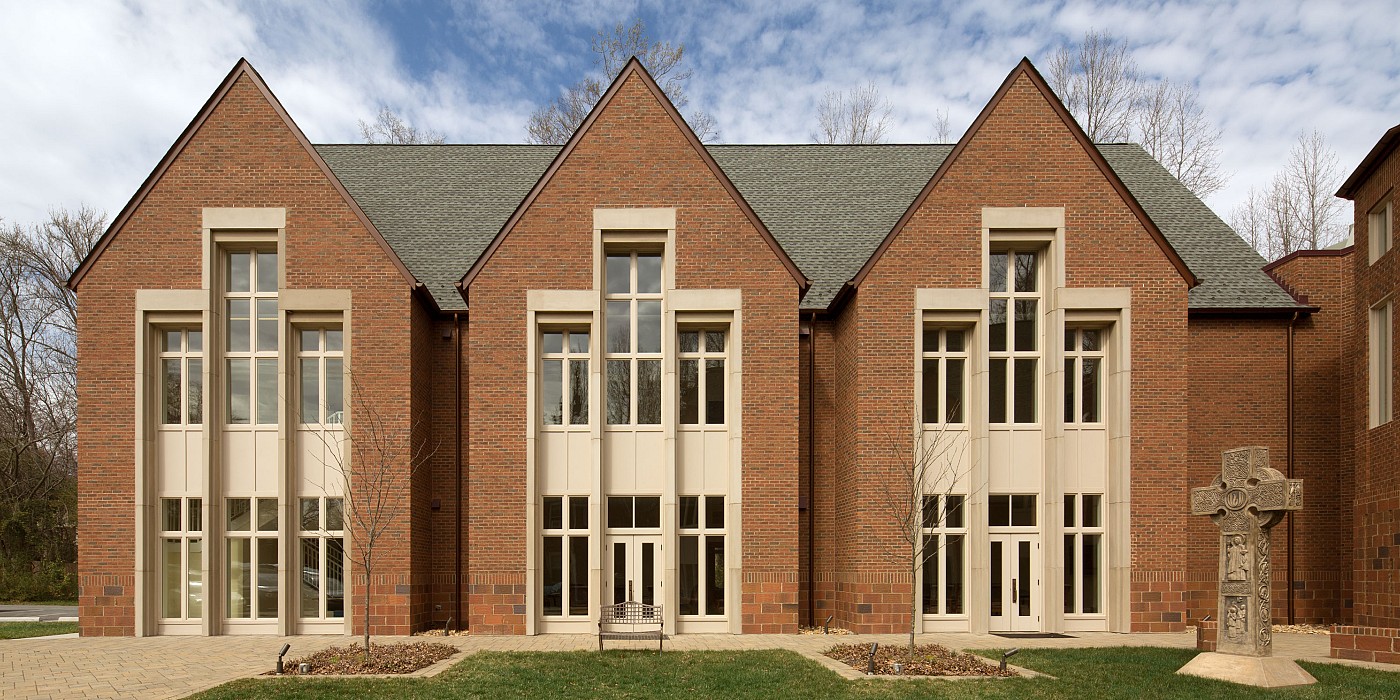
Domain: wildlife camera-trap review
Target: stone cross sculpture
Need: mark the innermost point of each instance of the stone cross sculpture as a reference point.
(1245, 501)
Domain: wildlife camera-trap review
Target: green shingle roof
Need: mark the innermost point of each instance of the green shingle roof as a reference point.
(828, 206)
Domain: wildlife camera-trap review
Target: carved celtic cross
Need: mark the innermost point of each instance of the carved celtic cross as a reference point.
(1245, 501)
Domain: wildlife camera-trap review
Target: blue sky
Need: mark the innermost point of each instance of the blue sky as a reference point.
(95, 92)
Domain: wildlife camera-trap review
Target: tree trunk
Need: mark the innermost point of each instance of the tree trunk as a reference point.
(913, 599)
(368, 583)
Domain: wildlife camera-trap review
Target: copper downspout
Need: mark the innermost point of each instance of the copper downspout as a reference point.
(811, 468)
(457, 464)
(1291, 323)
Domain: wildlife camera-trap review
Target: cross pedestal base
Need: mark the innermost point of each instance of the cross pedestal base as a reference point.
(1258, 671)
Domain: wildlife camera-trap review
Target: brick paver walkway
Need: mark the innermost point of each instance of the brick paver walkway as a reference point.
(173, 667)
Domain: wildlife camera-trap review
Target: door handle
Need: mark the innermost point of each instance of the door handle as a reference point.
(1013, 590)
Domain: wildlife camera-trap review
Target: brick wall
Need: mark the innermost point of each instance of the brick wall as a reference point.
(1378, 644)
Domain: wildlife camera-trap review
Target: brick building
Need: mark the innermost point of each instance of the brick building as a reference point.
(641, 368)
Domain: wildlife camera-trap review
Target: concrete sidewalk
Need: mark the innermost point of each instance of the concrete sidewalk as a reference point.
(174, 667)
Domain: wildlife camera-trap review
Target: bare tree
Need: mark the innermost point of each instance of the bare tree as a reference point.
(377, 478)
(1172, 126)
(390, 128)
(556, 122)
(858, 116)
(916, 498)
(942, 131)
(1099, 84)
(1296, 211)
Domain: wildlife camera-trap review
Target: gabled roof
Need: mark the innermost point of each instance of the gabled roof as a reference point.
(635, 69)
(1025, 69)
(240, 69)
(1378, 153)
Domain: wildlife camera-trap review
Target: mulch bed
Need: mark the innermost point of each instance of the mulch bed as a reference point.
(929, 660)
(383, 658)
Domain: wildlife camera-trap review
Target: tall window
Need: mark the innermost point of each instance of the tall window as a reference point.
(321, 366)
(322, 558)
(1013, 337)
(633, 350)
(1084, 356)
(252, 557)
(1083, 553)
(182, 377)
(182, 544)
(701, 559)
(565, 567)
(945, 375)
(700, 365)
(251, 315)
(564, 377)
(1378, 226)
(945, 554)
(1382, 363)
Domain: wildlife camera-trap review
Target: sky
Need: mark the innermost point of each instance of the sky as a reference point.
(96, 91)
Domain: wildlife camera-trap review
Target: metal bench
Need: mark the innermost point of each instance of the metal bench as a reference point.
(631, 620)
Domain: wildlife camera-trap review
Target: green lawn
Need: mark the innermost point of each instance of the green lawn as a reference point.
(1080, 673)
(20, 630)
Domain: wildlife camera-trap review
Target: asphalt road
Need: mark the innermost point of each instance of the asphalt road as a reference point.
(43, 612)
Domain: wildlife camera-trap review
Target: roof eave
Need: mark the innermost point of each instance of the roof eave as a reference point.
(1379, 152)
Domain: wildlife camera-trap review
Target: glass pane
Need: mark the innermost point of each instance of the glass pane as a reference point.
(196, 514)
(552, 392)
(689, 512)
(996, 396)
(1023, 578)
(578, 512)
(335, 514)
(1069, 510)
(714, 512)
(714, 341)
(1025, 325)
(172, 341)
(953, 511)
(996, 272)
(619, 274)
(310, 339)
(930, 392)
(194, 391)
(239, 514)
(996, 325)
(311, 514)
(1091, 339)
(578, 392)
(689, 341)
(619, 572)
(194, 341)
(1069, 389)
(1090, 573)
(170, 509)
(267, 391)
(238, 390)
(619, 324)
(1025, 272)
(1069, 572)
(996, 580)
(930, 340)
(930, 583)
(267, 577)
(578, 341)
(335, 577)
(930, 512)
(954, 340)
(688, 391)
(552, 343)
(619, 511)
(714, 575)
(648, 274)
(714, 392)
(335, 391)
(619, 392)
(648, 392)
(1069, 339)
(267, 515)
(194, 573)
(310, 390)
(238, 310)
(688, 571)
(648, 511)
(170, 396)
(578, 575)
(999, 511)
(1023, 511)
(334, 340)
(649, 573)
(1089, 385)
(267, 324)
(648, 326)
(953, 575)
(310, 577)
(1025, 391)
(238, 270)
(240, 579)
(553, 513)
(953, 401)
(267, 271)
(552, 576)
(1091, 510)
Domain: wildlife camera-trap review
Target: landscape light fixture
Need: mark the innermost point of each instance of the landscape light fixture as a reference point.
(281, 654)
(1007, 655)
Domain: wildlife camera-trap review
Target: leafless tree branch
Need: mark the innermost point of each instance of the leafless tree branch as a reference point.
(857, 116)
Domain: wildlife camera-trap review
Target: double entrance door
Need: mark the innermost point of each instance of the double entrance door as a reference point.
(1014, 577)
(632, 569)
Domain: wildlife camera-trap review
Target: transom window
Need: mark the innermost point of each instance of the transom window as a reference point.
(182, 376)
(564, 377)
(1084, 357)
(700, 366)
(565, 571)
(182, 546)
(322, 558)
(252, 557)
(701, 557)
(250, 339)
(1011, 510)
(1013, 338)
(321, 364)
(945, 375)
(633, 331)
(629, 512)
(945, 553)
(1084, 532)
